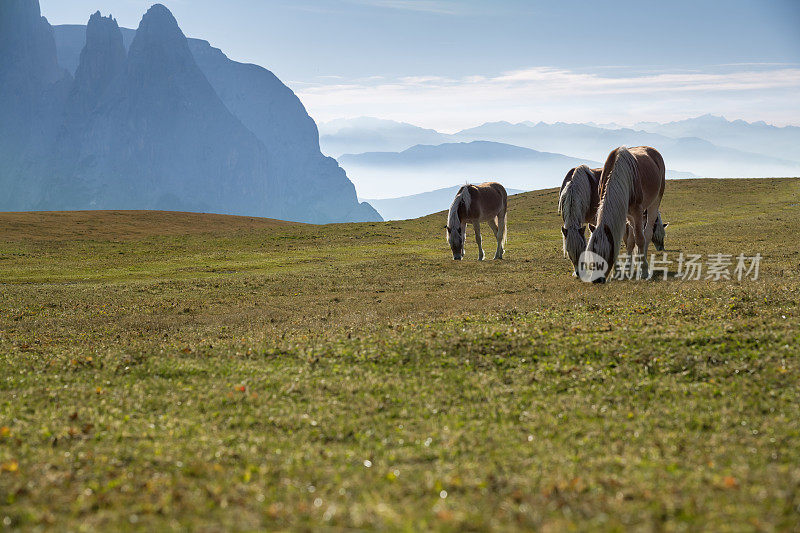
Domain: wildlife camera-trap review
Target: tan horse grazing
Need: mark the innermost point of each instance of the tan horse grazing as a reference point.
(632, 184)
(475, 204)
(577, 204)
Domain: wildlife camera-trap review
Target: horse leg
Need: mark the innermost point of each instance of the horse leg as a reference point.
(630, 241)
(502, 229)
(477, 227)
(493, 226)
(641, 244)
(464, 240)
(652, 216)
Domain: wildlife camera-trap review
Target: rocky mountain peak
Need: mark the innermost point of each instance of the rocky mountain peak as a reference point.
(159, 41)
(102, 59)
(27, 45)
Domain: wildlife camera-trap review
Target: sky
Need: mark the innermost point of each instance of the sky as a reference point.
(448, 64)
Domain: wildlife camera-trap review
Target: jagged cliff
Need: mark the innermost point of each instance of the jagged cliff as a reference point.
(162, 126)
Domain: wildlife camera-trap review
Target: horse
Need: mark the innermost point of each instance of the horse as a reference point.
(578, 200)
(475, 204)
(631, 184)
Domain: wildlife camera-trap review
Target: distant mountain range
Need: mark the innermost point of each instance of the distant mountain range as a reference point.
(744, 149)
(367, 134)
(689, 154)
(419, 205)
(100, 118)
(421, 167)
(755, 137)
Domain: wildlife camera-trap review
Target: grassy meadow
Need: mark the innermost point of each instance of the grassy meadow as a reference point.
(167, 371)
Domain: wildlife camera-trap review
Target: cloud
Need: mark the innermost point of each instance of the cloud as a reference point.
(545, 93)
(441, 7)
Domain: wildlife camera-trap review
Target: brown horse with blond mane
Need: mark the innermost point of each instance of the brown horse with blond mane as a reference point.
(475, 204)
(631, 188)
(578, 201)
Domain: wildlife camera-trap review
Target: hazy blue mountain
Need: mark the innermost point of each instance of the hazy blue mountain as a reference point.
(419, 205)
(367, 134)
(70, 40)
(32, 91)
(758, 137)
(159, 137)
(101, 61)
(144, 126)
(273, 112)
(392, 174)
(693, 155)
(561, 137)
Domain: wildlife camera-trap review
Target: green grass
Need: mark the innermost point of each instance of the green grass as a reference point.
(173, 371)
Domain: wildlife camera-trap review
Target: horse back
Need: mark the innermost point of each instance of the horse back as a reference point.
(652, 172)
(487, 200)
(567, 179)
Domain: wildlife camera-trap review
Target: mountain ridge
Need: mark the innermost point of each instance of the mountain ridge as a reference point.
(141, 125)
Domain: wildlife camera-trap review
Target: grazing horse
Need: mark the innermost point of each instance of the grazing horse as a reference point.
(475, 204)
(577, 205)
(632, 184)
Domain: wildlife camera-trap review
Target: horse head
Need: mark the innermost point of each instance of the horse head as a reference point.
(602, 247)
(659, 233)
(455, 238)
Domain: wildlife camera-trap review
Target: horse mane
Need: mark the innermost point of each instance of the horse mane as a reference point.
(466, 198)
(462, 198)
(573, 205)
(576, 196)
(617, 185)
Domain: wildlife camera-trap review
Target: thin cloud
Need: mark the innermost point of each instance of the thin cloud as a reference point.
(560, 94)
(440, 7)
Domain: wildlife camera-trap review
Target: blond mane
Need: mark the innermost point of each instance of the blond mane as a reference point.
(462, 198)
(613, 211)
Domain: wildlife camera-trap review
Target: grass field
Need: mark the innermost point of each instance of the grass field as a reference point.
(171, 371)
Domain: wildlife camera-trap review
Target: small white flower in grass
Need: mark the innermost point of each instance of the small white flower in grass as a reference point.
(318, 502)
(368, 463)
(443, 494)
(428, 442)
(530, 438)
